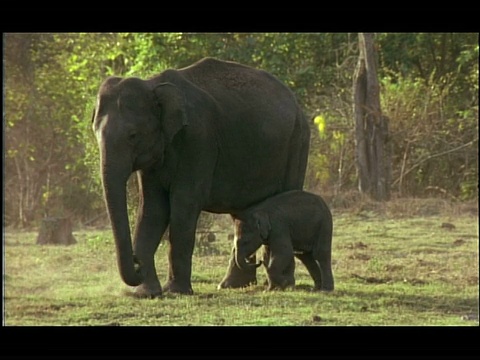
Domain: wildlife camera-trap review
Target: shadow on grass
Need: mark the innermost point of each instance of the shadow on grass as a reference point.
(12, 243)
(446, 304)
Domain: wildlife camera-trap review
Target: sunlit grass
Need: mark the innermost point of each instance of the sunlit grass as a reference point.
(388, 271)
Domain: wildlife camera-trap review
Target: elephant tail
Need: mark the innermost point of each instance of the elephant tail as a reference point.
(298, 153)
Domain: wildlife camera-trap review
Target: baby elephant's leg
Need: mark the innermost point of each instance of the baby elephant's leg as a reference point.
(289, 273)
(324, 259)
(313, 269)
(266, 262)
(280, 272)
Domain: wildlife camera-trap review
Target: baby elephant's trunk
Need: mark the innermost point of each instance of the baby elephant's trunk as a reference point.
(242, 263)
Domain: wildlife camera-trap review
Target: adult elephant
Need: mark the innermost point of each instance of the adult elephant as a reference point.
(215, 136)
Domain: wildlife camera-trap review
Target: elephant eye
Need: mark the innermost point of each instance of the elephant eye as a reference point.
(132, 136)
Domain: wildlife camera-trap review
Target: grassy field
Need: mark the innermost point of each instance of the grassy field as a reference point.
(394, 264)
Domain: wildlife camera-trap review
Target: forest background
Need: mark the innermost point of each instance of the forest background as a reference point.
(428, 85)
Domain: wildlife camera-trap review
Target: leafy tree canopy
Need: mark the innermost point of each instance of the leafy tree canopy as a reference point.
(429, 91)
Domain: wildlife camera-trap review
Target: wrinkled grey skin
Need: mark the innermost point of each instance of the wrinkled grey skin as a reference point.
(215, 136)
(295, 223)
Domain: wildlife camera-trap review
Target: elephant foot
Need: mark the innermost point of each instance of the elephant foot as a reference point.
(323, 288)
(145, 291)
(232, 282)
(326, 289)
(280, 287)
(280, 283)
(177, 288)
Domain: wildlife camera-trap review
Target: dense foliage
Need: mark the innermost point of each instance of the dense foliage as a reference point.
(429, 92)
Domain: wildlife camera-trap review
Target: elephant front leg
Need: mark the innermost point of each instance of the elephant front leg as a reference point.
(280, 273)
(183, 223)
(280, 263)
(152, 221)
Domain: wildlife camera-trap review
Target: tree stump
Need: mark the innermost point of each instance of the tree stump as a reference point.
(372, 150)
(56, 230)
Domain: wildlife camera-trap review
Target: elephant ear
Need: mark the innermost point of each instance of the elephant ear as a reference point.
(172, 103)
(105, 88)
(109, 83)
(263, 224)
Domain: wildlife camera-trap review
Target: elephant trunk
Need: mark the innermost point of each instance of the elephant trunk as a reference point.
(241, 260)
(115, 191)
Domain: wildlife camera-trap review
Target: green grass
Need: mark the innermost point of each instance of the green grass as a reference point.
(388, 271)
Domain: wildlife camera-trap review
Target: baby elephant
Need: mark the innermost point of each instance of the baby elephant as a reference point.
(294, 223)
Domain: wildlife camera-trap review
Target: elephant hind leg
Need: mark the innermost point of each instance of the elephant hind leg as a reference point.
(236, 277)
(313, 268)
(324, 260)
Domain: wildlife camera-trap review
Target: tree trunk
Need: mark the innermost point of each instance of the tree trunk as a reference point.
(56, 231)
(371, 127)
